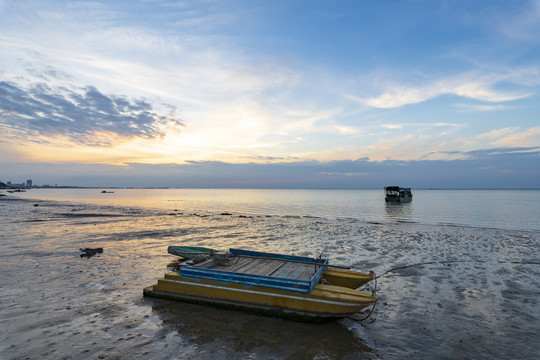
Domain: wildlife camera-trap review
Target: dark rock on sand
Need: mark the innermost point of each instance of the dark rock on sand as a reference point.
(88, 252)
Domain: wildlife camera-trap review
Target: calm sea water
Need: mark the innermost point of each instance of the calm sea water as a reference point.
(458, 273)
(501, 209)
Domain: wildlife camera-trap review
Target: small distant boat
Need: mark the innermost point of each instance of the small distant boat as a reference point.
(292, 286)
(107, 192)
(397, 194)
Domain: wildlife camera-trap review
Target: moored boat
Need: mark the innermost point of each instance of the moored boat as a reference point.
(279, 284)
(397, 194)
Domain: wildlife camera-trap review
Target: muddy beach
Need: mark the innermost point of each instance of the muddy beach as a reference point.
(446, 292)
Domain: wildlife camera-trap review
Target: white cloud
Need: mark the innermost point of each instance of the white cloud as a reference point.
(499, 133)
(482, 107)
(470, 85)
(418, 125)
(514, 137)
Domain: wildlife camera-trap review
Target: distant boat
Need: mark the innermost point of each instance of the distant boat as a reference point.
(107, 192)
(284, 285)
(397, 194)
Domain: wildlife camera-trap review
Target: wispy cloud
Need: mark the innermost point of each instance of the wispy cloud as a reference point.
(420, 125)
(523, 24)
(482, 107)
(499, 133)
(528, 152)
(474, 86)
(496, 167)
(514, 136)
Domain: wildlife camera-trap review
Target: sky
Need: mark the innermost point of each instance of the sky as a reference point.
(271, 94)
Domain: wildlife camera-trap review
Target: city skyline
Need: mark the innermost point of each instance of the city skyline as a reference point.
(286, 94)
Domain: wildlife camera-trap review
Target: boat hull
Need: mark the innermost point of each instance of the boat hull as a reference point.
(346, 278)
(324, 302)
(398, 199)
(189, 252)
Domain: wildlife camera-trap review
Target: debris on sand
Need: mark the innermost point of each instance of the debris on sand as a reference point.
(88, 252)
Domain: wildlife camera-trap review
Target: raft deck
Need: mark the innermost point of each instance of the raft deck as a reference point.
(295, 273)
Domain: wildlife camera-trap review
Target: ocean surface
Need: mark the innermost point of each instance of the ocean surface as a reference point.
(458, 273)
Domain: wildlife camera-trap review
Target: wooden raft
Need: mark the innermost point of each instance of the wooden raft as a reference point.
(294, 273)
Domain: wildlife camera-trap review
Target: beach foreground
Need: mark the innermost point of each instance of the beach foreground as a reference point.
(445, 292)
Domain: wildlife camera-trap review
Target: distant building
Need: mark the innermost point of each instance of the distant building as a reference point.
(21, 185)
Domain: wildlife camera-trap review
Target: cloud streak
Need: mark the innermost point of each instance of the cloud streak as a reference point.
(514, 136)
(81, 115)
(478, 87)
(490, 168)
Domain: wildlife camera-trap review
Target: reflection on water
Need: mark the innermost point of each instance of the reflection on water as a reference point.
(501, 209)
(399, 211)
(207, 330)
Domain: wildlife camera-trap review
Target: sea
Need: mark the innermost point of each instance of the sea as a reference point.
(458, 273)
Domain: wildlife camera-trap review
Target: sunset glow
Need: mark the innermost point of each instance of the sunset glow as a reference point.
(175, 84)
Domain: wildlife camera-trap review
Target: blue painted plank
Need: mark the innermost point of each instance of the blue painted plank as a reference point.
(248, 279)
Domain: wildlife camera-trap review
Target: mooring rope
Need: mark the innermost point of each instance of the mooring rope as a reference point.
(424, 263)
(456, 261)
(373, 293)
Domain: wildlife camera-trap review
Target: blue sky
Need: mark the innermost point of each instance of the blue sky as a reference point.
(348, 94)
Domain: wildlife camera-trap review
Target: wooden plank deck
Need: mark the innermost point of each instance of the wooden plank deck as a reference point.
(288, 272)
(275, 268)
(295, 271)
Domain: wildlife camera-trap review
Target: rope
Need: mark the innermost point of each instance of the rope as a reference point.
(457, 261)
(373, 293)
(427, 263)
(222, 259)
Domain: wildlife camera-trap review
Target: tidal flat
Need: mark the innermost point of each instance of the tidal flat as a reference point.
(445, 292)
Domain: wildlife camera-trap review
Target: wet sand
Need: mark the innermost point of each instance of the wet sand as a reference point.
(445, 292)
